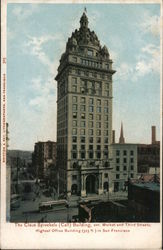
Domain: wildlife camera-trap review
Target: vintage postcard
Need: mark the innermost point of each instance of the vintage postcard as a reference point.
(81, 124)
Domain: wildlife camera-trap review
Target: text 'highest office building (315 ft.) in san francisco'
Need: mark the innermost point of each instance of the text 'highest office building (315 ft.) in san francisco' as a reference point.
(84, 115)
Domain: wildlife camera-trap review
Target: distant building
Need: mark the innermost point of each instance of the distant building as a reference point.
(44, 157)
(149, 155)
(124, 162)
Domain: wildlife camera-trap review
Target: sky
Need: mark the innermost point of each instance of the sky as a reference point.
(36, 38)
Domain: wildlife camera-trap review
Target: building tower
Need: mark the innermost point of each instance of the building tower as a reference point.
(84, 114)
(121, 138)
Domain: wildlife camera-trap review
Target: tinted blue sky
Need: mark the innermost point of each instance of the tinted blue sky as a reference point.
(36, 38)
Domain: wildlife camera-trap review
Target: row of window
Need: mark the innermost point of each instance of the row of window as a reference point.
(90, 132)
(90, 139)
(124, 152)
(124, 160)
(91, 101)
(91, 155)
(91, 124)
(124, 168)
(84, 90)
(90, 74)
(94, 64)
(90, 108)
(75, 115)
(82, 147)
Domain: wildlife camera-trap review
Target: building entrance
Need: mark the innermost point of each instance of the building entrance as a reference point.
(91, 184)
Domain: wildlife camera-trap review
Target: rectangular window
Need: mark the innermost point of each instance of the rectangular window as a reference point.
(98, 147)
(74, 131)
(124, 168)
(131, 152)
(117, 152)
(91, 101)
(124, 152)
(74, 123)
(106, 103)
(74, 115)
(74, 88)
(82, 107)
(90, 108)
(90, 155)
(82, 99)
(106, 140)
(98, 155)
(117, 176)
(82, 90)
(74, 107)
(124, 160)
(74, 99)
(82, 131)
(74, 155)
(132, 167)
(106, 110)
(90, 124)
(98, 132)
(98, 117)
(82, 123)
(90, 116)
(106, 117)
(90, 131)
(82, 155)
(106, 125)
(132, 160)
(82, 139)
(117, 160)
(98, 124)
(98, 102)
(98, 140)
(106, 132)
(82, 115)
(74, 139)
(90, 52)
(106, 175)
(82, 147)
(98, 109)
(74, 80)
(90, 139)
(90, 147)
(106, 93)
(132, 175)
(74, 147)
(117, 168)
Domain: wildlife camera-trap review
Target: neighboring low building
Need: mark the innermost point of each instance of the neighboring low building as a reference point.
(124, 162)
(144, 198)
(149, 155)
(44, 158)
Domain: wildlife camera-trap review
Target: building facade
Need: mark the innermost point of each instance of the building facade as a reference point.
(44, 157)
(124, 165)
(84, 114)
(149, 155)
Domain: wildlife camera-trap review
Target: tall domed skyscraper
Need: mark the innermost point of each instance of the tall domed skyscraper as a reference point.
(84, 115)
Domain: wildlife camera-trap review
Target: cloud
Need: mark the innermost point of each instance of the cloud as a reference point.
(150, 24)
(149, 60)
(23, 13)
(35, 45)
(124, 71)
